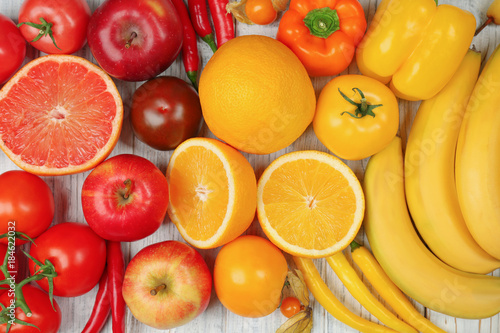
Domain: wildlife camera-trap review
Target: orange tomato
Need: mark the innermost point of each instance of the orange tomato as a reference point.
(260, 11)
(249, 274)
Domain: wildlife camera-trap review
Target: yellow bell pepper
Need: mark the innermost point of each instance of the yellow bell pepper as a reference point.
(415, 45)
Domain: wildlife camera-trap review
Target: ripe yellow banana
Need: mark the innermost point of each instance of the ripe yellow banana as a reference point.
(430, 173)
(478, 159)
(403, 256)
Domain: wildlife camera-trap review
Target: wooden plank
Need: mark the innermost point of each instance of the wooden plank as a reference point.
(67, 191)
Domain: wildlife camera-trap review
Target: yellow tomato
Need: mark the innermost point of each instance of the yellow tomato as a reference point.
(356, 116)
(249, 274)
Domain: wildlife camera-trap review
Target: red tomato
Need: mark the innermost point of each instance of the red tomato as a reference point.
(44, 317)
(12, 48)
(69, 20)
(290, 306)
(260, 11)
(26, 204)
(165, 112)
(78, 255)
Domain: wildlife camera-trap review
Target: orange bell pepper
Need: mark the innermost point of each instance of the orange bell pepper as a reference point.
(323, 33)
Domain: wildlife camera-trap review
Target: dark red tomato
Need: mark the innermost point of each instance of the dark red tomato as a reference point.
(26, 204)
(47, 319)
(78, 255)
(12, 48)
(165, 111)
(69, 19)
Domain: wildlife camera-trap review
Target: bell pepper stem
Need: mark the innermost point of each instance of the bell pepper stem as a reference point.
(322, 22)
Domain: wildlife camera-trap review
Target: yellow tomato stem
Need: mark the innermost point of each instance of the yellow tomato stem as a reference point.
(389, 291)
(362, 108)
(327, 299)
(346, 273)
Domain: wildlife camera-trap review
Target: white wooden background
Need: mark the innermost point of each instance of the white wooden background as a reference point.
(216, 318)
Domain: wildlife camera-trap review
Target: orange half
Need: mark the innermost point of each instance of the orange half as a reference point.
(310, 204)
(213, 192)
(60, 114)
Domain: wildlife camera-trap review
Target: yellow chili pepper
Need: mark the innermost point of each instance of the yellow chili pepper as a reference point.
(338, 262)
(389, 291)
(416, 45)
(327, 299)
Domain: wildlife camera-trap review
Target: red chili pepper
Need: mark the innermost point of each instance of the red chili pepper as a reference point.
(116, 272)
(201, 23)
(190, 56)
(102, 307)
(223, 21)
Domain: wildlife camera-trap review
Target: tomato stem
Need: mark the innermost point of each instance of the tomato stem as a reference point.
(44, 29)
(133, 35)
(362, 108)
(322, 22)
(155, 291)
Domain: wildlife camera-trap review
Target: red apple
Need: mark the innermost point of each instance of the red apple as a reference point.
(135, 40)
(125, 198)
(167, 285)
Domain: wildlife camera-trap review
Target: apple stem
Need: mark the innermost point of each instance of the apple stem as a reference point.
(157, 289)
(129, 42)
(128, 188)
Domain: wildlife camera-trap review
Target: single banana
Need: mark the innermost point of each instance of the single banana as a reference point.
(430, 173)
(478, 159)
(406, 260)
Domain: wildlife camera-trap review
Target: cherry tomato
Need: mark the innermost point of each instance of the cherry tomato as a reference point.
(69, 20)
(165, 111)
(26, 204)
(78, 255)
(356, 132)
(290, 306)
(12, 48)
(260, 11)
(44, 317)
(249, 274)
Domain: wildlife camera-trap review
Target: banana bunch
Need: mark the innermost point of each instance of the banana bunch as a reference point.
(429, 165)
(404, 257)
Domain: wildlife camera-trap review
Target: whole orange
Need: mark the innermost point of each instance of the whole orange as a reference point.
(256, 95)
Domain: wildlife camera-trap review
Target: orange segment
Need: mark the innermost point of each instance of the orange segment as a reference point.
(212, 192)
(310, 204)
(59, 115)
